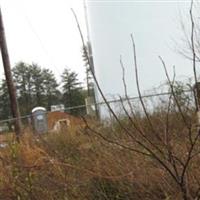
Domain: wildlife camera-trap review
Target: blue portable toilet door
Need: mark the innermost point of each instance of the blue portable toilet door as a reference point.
(40, 123)
(40, 120)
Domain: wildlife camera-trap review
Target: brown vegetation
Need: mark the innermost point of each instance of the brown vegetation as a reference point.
(54, 117)
(82, 165)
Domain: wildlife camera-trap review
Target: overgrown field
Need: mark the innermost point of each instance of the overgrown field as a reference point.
(103, 162)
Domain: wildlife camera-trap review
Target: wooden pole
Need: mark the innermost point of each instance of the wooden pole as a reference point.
(9, 79)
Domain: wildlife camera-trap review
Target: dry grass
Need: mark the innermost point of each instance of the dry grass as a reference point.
(78, 165)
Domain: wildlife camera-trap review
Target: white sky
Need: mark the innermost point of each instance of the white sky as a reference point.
(45, 32)
(154, 24)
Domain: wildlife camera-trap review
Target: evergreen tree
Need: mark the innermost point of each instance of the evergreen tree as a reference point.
(36, 86)
(72, 92)
(52, 94)
(22, 78)
(5, 111)
(89, 79)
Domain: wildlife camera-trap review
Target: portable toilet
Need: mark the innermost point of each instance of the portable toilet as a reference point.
(39, 120)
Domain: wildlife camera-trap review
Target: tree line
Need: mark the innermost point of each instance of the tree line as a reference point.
(37, 86)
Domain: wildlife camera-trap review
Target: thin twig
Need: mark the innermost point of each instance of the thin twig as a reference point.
(113, 142)
(194, 55)
(173, 93)
(149, 150)
(141, 132)
(139, 92)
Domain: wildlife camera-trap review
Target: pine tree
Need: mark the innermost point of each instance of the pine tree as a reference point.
(22, 78)
(5, 111)
(36, 86)
(72, 92)
(52, 94)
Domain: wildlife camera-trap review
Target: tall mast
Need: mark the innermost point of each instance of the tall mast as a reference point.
(90, 55)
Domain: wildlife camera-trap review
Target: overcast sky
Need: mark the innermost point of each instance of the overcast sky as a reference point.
(44, 31)
(156, 29)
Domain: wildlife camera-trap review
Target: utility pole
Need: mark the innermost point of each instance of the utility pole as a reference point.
(91, 60)
(9, 79)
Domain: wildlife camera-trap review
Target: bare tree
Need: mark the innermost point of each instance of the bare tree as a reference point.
(175, 161)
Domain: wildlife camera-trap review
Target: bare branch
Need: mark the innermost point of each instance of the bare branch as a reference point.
(168, 110)
(139, 92)
(194, 54)
(174, 95)
(141, 132)
(95, 78)
(126, 92)
(113, 142)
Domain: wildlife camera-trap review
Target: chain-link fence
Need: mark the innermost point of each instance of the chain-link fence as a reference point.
(120, 106)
